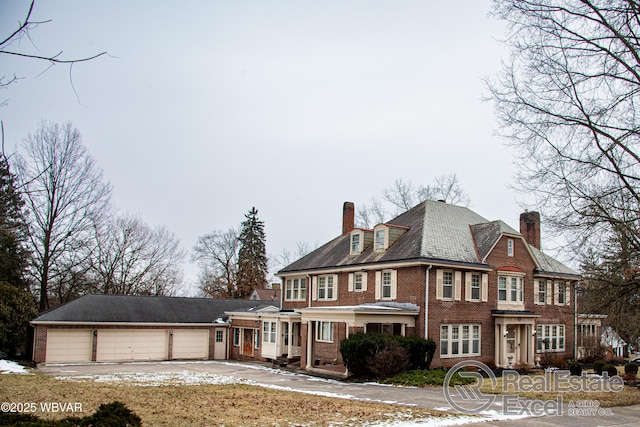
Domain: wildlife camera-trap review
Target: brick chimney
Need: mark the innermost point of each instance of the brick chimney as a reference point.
(530, 227)
(348, 217)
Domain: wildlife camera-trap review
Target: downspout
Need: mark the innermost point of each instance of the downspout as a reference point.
(426, 303)
(575, 323)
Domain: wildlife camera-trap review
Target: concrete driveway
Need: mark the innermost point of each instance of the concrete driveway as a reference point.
(291, 380)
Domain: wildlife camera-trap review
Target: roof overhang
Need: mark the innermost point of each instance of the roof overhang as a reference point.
(554, 275)
(135, 324)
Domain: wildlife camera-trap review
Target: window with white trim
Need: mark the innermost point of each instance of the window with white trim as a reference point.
(236, 337)
(510, 247)
(269, 332)
(550, 338)
(459, 340)
(510, 289)
(355, 243)
(386, 284)
(379, 239)
(324, 331)
(219, 335)
(542, 292)
(475, 287)
(325, 287)
(357, 281)
(296, 289)
(562, 289)
(447, 284)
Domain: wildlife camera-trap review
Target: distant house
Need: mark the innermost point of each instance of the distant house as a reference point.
(117, 328)
(479, 288)
(589, 334)
(615, 345)
(272, 294)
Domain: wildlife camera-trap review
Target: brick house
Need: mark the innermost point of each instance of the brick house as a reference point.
(479, 288)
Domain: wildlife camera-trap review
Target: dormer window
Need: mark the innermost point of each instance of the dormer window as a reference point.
(379, 239)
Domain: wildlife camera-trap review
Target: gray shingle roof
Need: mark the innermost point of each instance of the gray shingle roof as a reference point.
(145, 309)
(437, 232)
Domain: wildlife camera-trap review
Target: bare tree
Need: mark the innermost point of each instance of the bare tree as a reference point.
(567, 101)
(217, 256)
(12, 45)
(403, 195)
(65, 196)
(288, 256)
(132, 258)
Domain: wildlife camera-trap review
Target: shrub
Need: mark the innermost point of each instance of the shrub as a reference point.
(610, 369)
(631, 368)
(598, 365)
(361, 354)
(389, 361)
(575, 367)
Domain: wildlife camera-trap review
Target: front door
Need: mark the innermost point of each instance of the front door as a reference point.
(247, 342)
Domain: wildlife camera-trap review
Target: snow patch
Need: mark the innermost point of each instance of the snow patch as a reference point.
(10, 367)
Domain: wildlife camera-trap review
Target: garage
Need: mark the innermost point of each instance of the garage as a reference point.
(68, 345)
(124, 328)
(190, 344)
(117, 345)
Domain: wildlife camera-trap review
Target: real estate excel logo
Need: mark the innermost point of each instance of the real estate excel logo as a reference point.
(469, 399)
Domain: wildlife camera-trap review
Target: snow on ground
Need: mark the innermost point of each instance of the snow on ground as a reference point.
(10, 367)
(187, 377)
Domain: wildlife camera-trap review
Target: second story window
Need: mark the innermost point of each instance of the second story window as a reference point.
(475, 287)
(357, 281)
(510, 289)
(447, 284)
(296, 289)
(325, 288)
(386, 284)
(542, 292)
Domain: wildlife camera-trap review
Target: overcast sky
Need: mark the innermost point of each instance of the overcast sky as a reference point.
(204, 109)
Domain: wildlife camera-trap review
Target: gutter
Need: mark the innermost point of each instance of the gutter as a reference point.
(426, 303)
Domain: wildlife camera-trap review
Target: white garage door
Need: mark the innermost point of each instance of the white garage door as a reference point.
(68, 345)
(190, 344)
(115, 345)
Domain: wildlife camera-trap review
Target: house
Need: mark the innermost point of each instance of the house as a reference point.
(615, 345)
(272, 294)
(479, 288)
(117, 328)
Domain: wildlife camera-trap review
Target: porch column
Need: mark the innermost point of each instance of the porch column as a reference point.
(289, 338)
(532, 345)
(503, 345)
(496, 345)
(309, 344)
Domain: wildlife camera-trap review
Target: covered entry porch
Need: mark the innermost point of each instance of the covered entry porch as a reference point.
(515, 338)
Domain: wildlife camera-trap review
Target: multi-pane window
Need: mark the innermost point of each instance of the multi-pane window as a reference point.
(386, 284)
(355, 243)
(510, 289)
(296, 289)
(562, 289)
(357, 281)
(447, 284)
(550, 338)
(510, 247)
(475, 287)
(325, 287)
(219, 335)
(324, 331)
(459, 340)
(542, 292)
(269, 332)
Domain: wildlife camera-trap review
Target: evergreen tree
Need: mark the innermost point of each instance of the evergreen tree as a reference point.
(252, 258)
(14, 257)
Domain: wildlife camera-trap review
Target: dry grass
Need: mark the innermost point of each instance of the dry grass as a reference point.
(203, 405)
(628, 396)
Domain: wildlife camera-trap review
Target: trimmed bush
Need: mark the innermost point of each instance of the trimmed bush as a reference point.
(598, 365)
(365, 354)
(610, 369)
(575, 367)
(631, 368)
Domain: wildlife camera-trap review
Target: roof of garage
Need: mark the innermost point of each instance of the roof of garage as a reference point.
(145, 309)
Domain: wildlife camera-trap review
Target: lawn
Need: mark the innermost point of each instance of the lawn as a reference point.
(202, 404)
